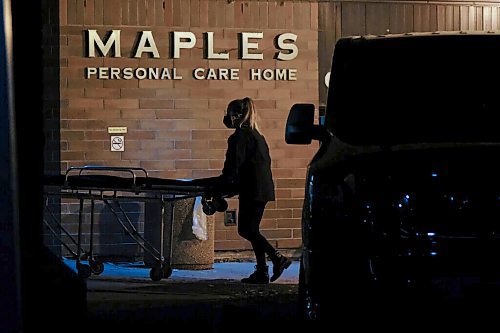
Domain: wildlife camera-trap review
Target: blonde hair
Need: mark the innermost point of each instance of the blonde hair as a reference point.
(246, 108)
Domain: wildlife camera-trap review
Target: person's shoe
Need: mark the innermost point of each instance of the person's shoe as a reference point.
(280, 263)
(260, 276)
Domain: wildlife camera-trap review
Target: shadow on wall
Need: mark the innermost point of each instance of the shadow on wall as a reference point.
(117, 223)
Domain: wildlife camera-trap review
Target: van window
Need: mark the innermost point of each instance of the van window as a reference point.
(412, 90)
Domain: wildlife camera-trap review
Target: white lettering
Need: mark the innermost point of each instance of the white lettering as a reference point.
(94, 39)
(147, 37)
(90, 71)
(223, 73)
(174, 71)
(268, 74)
(246, 45)
(110, 45)
(216, 73)
(211, 74)
(210, 48)
(197, 72)
(128, 73)
(158, 73)
(235, 72)
(115, 72)
(141, 73)
(255, 74)
(294, 51)
(178, 44)
(281, 73)
(153, 73)
(103, 73)
(165, 74)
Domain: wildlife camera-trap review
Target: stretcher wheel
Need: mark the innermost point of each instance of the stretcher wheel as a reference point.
(96, 267)
(156, 273)
(84, 271)
(167, 271)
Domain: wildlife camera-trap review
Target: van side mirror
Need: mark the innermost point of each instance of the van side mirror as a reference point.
(300, 128)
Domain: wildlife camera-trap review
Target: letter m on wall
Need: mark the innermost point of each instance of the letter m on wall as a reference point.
(113, 41)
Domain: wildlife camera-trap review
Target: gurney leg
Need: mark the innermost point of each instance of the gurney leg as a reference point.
(163, 268)
(83, 270)
(49, 227)
(159, 271)
(96, 266)
(58, 224)
(167, 253)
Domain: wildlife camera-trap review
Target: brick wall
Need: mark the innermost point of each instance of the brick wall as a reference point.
(175, 127)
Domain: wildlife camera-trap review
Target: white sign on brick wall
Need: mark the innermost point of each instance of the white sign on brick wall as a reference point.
(117, 143)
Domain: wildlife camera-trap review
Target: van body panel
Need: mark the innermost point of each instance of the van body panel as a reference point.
(402, 199)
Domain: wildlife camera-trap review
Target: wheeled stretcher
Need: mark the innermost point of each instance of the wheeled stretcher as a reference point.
(113, 185)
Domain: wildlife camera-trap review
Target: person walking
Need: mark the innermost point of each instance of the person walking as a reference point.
(247, 172)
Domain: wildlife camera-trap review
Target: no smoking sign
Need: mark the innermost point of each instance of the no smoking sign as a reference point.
(117, 143)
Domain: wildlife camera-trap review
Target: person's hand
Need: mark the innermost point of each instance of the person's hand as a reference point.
(213, 203)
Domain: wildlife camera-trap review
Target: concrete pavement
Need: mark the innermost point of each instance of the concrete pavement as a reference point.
(221, 270)
(124, 298)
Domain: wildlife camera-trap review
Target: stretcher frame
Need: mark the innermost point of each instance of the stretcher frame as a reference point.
(112, 185)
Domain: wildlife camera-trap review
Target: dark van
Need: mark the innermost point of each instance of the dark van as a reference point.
(401, 217)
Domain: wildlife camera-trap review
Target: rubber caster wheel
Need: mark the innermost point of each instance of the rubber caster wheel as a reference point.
(96, 267)
(167, 271)
(84, 271)
(156, 273)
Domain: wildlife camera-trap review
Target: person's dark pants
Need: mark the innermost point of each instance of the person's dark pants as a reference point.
(249, 217)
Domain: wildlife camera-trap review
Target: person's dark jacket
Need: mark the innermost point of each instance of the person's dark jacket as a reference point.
(247, 168)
